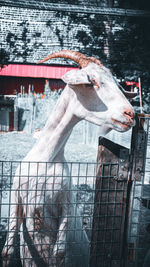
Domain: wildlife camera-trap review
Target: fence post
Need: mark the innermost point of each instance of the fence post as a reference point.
(109, 205)
(139, 213)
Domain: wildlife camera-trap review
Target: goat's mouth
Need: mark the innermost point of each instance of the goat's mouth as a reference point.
(123, 126)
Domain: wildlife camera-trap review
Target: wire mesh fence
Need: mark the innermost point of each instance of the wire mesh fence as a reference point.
(47, 212)
(50, 205)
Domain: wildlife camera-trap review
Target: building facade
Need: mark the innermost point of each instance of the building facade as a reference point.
(112, 30)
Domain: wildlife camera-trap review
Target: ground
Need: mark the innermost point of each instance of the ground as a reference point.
(15, 145)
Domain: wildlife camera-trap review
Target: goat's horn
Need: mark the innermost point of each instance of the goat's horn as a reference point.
(95, 60)
(79, 58)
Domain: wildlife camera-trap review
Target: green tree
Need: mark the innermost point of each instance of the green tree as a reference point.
(130, 53)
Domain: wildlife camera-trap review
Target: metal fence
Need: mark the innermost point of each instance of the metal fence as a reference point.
(43, 191)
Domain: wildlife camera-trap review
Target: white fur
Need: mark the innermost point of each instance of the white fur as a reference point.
(42, 187)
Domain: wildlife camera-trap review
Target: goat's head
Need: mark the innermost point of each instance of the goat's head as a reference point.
(97, 96)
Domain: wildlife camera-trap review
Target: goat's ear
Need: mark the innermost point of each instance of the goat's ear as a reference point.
(76, 77)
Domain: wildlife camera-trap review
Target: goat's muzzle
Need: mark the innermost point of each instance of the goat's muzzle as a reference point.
(127, 120)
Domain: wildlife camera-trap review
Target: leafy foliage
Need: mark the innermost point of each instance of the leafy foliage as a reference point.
(4, 57)
(21, 44)
(130, 53)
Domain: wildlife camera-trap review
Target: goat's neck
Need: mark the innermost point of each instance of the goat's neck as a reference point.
(50, 146)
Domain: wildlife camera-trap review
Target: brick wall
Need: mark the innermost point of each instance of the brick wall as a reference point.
(32, 33)
(47, 31)
(41, 36)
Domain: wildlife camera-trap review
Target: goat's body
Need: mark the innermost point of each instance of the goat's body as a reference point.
(51, 232)
(43, 207)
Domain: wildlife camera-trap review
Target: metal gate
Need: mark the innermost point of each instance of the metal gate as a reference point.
(111, 200)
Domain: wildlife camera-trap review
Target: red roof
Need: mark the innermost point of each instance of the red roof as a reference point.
(34, 71)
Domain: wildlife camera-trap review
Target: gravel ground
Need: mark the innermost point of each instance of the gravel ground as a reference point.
(15, 145)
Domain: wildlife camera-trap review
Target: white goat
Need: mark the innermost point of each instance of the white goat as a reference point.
(42, 203)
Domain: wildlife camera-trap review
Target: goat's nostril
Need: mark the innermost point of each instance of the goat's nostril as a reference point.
(129, 113)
